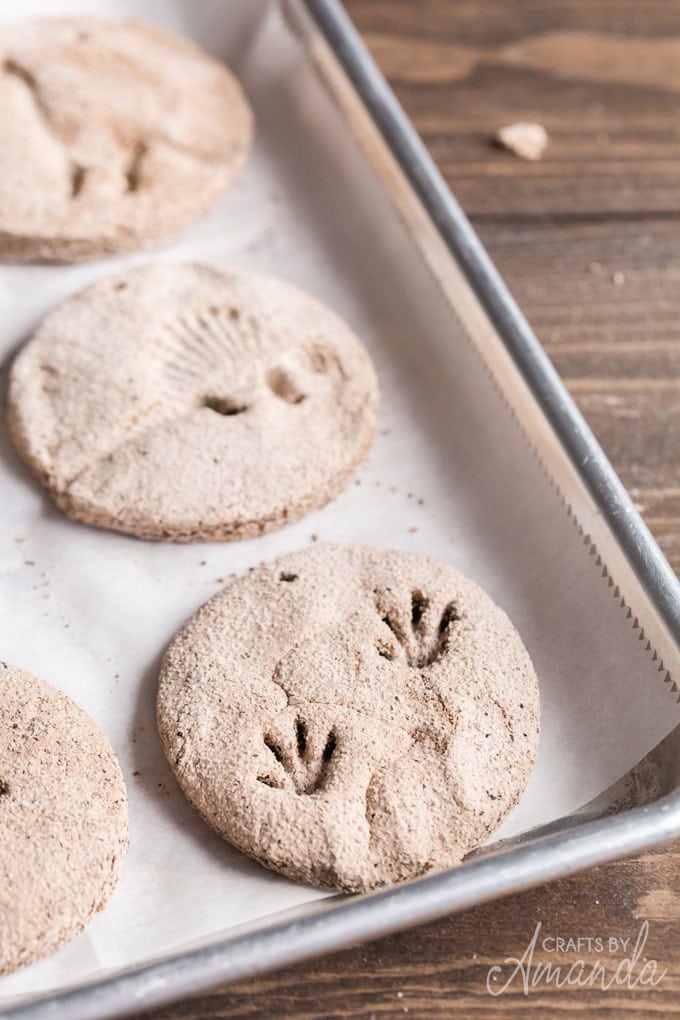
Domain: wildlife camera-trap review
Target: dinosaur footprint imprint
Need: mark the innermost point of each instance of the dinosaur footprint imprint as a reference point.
(421, 640)
(296, 767)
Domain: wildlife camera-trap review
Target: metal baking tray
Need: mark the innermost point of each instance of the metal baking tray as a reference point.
(481, 458)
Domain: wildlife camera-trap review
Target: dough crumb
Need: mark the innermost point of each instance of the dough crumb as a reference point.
(528, 141)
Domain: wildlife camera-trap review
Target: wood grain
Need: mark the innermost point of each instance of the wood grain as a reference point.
(589, 241)
(587, 238)
(440, 971)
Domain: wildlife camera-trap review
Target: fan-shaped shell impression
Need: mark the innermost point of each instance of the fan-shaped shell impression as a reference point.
(186, 402)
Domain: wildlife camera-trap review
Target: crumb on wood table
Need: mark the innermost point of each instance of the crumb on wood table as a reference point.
(523, 139)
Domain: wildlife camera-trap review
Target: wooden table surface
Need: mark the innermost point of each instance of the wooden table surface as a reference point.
(588, 240)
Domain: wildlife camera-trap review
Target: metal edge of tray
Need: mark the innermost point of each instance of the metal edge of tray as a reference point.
(584, 451)
(501, 872)
(362, 918)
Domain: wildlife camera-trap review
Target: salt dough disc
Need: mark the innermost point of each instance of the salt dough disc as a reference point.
(349, 716)
(63, 819)
(186, 402)
(113, 136)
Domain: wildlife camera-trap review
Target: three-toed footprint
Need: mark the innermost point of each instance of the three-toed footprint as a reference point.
(356, 716)
(421, 637)
(295, 764)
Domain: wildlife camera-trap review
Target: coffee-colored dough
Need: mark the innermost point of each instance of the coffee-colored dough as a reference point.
(351, 717)
(114, 135)
(63, 819)
(187, 402)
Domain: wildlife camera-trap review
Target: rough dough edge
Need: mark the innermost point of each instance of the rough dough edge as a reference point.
(288, 870)
(168, 224)
(118, 850)
(222, 532)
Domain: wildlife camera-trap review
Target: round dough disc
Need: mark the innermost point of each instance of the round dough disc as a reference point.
(63, 819)
(113, 136)
(186, 402)
(351, 717)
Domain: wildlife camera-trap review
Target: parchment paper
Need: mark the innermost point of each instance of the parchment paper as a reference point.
(450, 475)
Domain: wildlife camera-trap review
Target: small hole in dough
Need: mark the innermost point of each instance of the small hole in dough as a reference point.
(77, 180)
(319, 360)
(133, 172)
(274, 748)
(4, 788)
(224, 406)
(393, 627)
(331, 744)
(280, 383)
(449, 616)
(418, 606)
(301, 737)
(270, 781)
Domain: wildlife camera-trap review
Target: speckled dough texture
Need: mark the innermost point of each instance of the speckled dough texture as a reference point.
(63, 819)
(186, 402)
(351, 717)
(113, 135)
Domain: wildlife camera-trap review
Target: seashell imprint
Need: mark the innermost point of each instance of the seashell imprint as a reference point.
(214, 355)
(261, 400)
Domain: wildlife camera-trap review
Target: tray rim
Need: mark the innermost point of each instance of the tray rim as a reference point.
(360, 919)
(587, 456)
(507, 870)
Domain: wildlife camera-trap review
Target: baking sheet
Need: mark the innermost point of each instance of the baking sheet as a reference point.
(450, 475)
